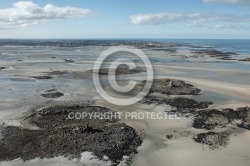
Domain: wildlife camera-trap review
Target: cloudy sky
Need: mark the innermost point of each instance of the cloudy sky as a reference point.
(125, 19)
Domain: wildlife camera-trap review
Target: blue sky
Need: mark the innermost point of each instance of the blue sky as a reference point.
(125, 19)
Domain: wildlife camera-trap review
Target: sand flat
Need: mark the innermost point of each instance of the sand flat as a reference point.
(20, 92)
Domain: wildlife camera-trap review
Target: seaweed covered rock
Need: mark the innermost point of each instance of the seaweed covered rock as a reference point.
(59, 135)
(120, 70)
(181, 105)
(214, 140)
(172, 87)
(52, 95)
(209, 119)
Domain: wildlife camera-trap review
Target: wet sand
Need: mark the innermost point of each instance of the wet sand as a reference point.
(226, 85)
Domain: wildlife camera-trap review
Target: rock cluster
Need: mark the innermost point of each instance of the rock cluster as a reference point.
(60, 136)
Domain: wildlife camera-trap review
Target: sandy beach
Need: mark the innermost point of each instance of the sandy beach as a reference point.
(38, 77)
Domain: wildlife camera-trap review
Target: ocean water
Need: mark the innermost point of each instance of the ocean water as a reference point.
(240, 46)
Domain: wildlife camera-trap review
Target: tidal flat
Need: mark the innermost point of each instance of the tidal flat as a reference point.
(42, 81)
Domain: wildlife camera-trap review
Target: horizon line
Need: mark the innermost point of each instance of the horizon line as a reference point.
(124, 38)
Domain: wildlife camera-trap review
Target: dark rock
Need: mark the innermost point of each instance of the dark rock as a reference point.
(186, 103)
(52, 95)
(121, 70)
(51, 90)
(42, 77)
(213, 139)
(244, 115)
(209, 119)
(57, 72)
(69, 61)
(172, 87)
(60, 136)
(215, 54)
(182, 105)
(169, 50)
(169, 137)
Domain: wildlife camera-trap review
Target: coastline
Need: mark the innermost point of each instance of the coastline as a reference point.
(22, 91)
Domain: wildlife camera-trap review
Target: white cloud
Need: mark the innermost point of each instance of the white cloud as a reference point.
(190, 19)
(233, 26)
(27, 13)
(230, 1)
(163, 18)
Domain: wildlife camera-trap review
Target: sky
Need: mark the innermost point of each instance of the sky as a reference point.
(84, 19)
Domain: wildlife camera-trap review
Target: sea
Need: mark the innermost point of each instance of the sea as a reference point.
(239, 46)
